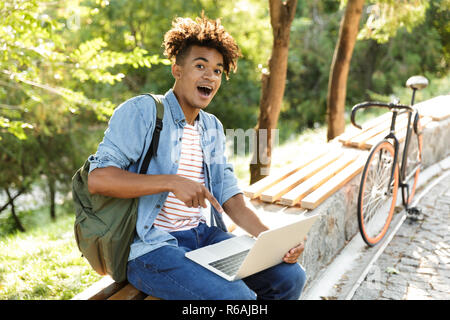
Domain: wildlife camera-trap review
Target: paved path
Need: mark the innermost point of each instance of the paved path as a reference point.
(416, 263)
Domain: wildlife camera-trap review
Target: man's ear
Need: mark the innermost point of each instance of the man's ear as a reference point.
(176, 71)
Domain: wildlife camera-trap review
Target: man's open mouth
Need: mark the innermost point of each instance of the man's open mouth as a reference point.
(205, 90)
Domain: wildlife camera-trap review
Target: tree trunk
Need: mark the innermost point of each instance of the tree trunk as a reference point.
(52, 195)
(272, 88)
(337, 84)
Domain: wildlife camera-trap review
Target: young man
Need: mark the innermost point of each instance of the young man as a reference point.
(190, 168)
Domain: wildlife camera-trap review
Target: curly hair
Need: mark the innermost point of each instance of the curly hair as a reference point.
(204, 32)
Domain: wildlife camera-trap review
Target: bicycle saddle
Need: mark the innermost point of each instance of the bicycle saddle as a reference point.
(417, 82)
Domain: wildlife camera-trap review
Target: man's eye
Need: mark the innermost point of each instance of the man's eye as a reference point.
(218, 71)
(199, 66)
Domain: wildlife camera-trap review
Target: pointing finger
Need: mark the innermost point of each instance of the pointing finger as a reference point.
(214, 202)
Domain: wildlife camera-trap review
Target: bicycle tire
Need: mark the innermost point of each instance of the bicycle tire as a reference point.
(413, 162)
(376, 198)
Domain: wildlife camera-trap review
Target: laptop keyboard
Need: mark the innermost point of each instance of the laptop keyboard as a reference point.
(230, 264)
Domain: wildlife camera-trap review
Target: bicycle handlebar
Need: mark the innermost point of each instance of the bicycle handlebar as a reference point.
(369, 104)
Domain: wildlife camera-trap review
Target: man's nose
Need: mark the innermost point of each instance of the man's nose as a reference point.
(209, 74)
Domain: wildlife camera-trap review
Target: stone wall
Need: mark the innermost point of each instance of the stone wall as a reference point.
(436, 141)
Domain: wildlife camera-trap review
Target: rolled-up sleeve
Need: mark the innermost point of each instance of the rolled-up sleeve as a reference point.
(125, 137)
(230, 183)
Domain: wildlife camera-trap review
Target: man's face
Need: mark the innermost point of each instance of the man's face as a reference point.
(198, 77)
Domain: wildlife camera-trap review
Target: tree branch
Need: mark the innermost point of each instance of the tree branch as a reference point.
(11, 199)
(13, 212)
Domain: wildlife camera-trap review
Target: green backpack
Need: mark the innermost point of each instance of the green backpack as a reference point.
(104, 226)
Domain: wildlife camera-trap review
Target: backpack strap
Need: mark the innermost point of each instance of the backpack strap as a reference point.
(152, 150)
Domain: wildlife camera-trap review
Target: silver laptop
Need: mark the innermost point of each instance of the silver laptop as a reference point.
(242, 256)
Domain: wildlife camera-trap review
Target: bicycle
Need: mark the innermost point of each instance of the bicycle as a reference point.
(381, 177)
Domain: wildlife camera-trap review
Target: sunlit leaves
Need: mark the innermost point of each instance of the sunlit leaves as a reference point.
(92, 61)
(52, 72)
(387, 16)
(38, 58)
(255, 35)
(17, 128)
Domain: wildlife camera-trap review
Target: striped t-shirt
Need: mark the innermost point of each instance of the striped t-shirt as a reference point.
(175, 215)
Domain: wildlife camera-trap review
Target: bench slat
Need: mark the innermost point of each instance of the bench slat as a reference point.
(100, 290)
(353, 132)
(284, 186)
(400, 134)
(129, 292)
(152, 298)
(302, 190)
(315, 198)
(381, 130)
(253, 191)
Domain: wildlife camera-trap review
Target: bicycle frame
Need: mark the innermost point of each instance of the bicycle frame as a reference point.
(396, 109)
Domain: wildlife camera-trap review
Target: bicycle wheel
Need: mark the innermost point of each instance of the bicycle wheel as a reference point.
(412, 162)
(377, 195)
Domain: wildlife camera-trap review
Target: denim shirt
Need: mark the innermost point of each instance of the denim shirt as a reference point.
(126, 141)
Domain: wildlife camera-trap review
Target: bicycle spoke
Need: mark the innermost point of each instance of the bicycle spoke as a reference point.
(377, 195)
(371, 210)
(373, 207)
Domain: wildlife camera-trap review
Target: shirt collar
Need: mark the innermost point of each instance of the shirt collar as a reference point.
(175, 108)
(177, 112)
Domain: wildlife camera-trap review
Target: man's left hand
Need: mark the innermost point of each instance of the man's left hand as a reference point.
(294, 253)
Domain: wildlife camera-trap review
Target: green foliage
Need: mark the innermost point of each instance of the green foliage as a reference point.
(237, 103)
(40, 58)
(436, 87)
(313, 38)
(46, 115)
(375, 67)
(386, 17)
(91, 56)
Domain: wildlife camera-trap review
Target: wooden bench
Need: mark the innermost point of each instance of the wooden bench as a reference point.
(107, 289)
(308, 182)
(318, 173)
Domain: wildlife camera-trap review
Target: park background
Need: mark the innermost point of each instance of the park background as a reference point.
(65, 66)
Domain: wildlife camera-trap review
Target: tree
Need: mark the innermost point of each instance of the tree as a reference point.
(272, 87)
(43, 67)
(337, 85)
(386, 17)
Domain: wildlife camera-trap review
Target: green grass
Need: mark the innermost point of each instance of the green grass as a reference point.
(44, 262)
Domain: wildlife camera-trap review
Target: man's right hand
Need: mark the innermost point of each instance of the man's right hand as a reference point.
(192, 193)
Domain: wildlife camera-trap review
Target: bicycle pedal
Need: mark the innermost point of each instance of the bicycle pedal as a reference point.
(414, 214)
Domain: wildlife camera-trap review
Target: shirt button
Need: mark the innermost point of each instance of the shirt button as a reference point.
(145, 227)
(158, 206)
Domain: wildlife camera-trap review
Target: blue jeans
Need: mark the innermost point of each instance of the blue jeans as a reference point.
(166, 273)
